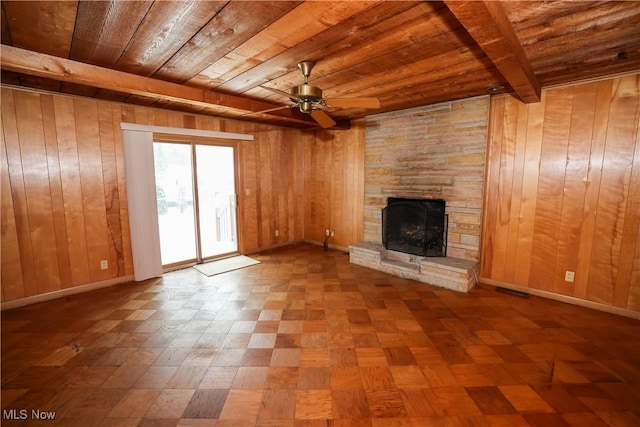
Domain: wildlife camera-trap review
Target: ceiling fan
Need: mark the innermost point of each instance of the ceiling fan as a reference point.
(308, 99)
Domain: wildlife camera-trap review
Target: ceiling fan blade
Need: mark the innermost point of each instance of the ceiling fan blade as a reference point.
(268, 111)
(353, 102)
(322, 118)
(280, 92)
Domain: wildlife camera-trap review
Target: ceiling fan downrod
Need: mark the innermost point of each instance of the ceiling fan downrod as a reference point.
(306, 94)
(306, 67)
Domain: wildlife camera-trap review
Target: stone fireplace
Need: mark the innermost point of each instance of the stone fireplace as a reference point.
(435, 152)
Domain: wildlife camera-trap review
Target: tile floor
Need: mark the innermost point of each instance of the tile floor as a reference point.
(306, 339)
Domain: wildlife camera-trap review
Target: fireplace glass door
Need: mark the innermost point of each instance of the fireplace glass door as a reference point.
(415, 226)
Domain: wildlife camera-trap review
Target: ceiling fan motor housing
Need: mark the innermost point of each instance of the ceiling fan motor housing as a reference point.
(307, 92)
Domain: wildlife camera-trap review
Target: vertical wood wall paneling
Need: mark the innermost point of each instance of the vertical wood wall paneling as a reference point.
(592, 193)
(634, 289)
(111, 190)
(92, 183)
(240, 195)
(142, 114)
(630, 255)
(38, 195)
(580, 126)
(520, 122)
(127, 260)
(297, 220)
(626, 124)
(612, 201)
(11, 263)
(161, 118)
(319, 187)
(505, 190)
(266, 190)
(310, 223)
(283, 191)
(129, 115)
(550, 189)
(272, 185)
(307, 167)
(337, 188)
(347, 186)
(334, 185)
(492, 178)
(55, 184)
(327, 202)
(72, 190)
(354, 194)
(579, 201)
(250, 194)
(291, 205)
(529, 193)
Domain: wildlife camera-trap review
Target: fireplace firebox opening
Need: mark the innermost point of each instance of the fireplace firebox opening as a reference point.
(415, 226)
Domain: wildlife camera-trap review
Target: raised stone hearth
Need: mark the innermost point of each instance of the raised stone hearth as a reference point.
(456, 274)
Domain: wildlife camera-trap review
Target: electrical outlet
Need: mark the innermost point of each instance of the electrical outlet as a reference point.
(332, 233)
(327, 232)
(277, 233)
(104, 264)
(569, 276)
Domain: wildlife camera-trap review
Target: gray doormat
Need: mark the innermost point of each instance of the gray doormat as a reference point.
(223, 265)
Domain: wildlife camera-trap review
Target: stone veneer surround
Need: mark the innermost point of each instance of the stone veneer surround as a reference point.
(435, 151)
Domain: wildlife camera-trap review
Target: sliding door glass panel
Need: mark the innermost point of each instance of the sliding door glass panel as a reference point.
(174, 192)
(215, 179)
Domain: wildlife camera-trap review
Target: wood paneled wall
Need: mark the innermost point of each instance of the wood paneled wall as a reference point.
(63, 198)
(563, 193)
(334, 185)
(63, 194)
(271, 187)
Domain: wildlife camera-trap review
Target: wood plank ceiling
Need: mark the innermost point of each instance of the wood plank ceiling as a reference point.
(217, 57)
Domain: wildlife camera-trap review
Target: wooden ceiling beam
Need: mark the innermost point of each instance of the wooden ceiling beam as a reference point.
(61, 69)
(488, 24)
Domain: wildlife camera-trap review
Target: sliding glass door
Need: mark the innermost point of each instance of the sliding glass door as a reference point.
(195, 190)
(217, 200)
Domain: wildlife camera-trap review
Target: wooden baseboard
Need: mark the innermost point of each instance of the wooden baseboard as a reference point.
(35, 299)
(329, 245)
(563, 298)
(270, 247)
(294, 242)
